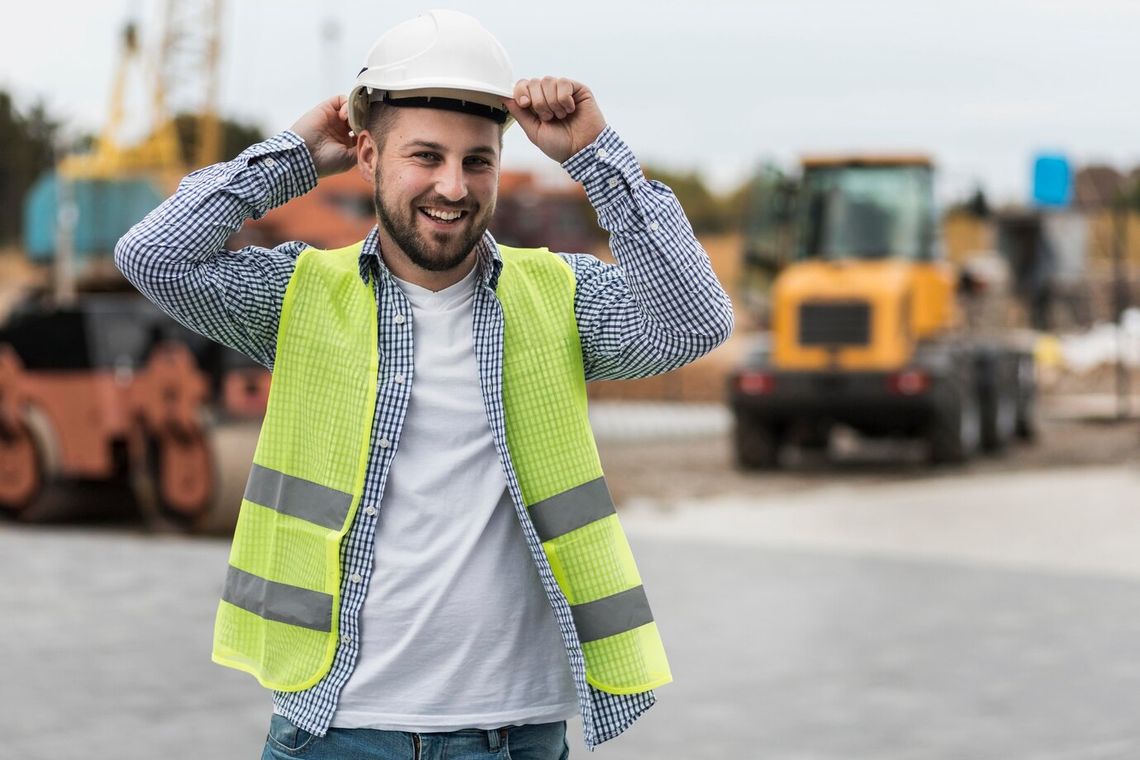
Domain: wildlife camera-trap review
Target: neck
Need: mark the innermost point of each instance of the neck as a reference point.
(400, 265)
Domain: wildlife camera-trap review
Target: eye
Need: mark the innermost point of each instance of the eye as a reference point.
(479, 162)
(426, 155)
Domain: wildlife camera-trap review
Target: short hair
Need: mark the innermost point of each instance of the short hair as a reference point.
(380, 118)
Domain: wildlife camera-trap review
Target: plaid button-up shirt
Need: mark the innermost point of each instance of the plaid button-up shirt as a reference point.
(660, 308)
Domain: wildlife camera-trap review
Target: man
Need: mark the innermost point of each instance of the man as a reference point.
(427, 562)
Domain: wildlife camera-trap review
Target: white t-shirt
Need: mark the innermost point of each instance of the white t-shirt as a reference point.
(456, 631)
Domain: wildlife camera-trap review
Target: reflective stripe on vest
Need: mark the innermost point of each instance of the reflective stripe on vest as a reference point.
(278, 615)
(278, 601)
(570, 510)
(288, 495)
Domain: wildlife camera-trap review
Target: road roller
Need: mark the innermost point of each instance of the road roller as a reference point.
(110, 400)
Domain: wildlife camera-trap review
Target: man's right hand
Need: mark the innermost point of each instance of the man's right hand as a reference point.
(325, 131)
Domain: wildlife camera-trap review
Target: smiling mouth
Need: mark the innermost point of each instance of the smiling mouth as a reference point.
(443, 216)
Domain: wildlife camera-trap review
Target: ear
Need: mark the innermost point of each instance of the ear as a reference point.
(367, 155)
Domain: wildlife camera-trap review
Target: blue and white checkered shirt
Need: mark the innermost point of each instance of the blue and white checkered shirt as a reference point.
(660, 308)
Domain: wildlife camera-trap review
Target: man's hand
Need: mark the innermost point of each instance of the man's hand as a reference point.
(560, 116)
(325, 131)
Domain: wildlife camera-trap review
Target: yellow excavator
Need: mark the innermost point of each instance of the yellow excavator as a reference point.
(864, 324)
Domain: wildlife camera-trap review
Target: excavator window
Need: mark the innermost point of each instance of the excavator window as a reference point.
(867, 212)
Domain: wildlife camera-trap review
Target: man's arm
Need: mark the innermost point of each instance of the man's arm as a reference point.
(662, 307)
(176, 256)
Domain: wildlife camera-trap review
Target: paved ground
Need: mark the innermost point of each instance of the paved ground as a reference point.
(991, 616)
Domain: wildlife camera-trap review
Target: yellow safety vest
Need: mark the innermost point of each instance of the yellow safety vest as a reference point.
(278, 617)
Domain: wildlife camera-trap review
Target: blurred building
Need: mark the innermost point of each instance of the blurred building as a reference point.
(1071, 266)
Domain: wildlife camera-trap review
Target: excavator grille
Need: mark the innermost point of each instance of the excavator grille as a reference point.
(835, 324)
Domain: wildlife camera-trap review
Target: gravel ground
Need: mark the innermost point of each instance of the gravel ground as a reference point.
(648, 453)
(667, 452)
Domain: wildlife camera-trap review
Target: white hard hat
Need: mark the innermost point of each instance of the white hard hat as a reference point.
(438, 55)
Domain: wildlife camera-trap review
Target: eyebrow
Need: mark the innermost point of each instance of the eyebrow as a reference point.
(477, 150)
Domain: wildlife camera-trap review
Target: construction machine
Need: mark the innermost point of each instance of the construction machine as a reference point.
(97, 386)
(864, 328)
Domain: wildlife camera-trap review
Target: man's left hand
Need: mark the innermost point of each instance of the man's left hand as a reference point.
(560, 115)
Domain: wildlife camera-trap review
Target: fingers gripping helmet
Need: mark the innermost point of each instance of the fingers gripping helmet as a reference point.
(438, 59)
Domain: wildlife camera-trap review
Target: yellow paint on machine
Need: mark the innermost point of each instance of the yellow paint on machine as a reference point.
(906, 302)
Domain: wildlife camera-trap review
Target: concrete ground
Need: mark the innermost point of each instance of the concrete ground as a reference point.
(994, 615)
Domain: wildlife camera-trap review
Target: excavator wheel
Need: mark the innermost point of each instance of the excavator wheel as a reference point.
(174, 482)
(21, 469)
(196, 485)
(955, 429)
(756, 444)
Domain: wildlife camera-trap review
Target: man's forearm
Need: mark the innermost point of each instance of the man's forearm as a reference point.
(665, 307)
(176, 256)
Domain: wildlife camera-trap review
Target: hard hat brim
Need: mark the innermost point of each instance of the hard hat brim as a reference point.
(362, 96)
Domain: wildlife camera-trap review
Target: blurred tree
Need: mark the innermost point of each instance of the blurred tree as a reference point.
(976, 205)
(1132, 193)
(236, 136)
(707, 211)
(736, 204)
(27, 148)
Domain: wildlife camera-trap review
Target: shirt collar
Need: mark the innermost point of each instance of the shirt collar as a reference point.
(488, 260)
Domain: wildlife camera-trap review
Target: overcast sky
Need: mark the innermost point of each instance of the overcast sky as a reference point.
(715, 85)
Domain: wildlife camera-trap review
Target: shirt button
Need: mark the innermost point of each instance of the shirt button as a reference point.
(370, 511)
(398, 319)
(271, 162)
(654, 226)
(613, 182)
(346, 638)
(385, 443)
(356, 578)
(602, 153)
(399, 378)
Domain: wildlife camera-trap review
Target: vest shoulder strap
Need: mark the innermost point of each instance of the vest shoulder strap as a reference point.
(341, 260)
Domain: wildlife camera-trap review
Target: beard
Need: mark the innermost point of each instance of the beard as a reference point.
(434, 252)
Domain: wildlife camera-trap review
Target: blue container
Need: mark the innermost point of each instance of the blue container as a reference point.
(107, 209)
(1052, 180)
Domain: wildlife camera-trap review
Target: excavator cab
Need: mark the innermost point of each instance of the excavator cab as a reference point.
(866, 210)
(865, 329)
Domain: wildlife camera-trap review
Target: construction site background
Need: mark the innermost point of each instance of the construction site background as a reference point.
(967, 239)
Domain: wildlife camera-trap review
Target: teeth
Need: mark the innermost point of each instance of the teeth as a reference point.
(446, 216)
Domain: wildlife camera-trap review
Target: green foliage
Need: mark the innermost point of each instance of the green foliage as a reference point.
(707, 211)
(236, 136)
(1132, 194)
(27, 149)
(976, 205)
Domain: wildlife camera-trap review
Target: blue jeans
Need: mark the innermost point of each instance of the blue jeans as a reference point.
(544, 741)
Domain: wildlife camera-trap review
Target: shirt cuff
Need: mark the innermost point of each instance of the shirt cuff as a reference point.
(606, 168)
(285, 166)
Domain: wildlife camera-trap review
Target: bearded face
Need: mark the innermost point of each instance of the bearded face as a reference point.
(436, 181)
(434, 233)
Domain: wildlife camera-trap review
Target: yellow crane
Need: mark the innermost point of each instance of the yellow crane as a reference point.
(184, 72)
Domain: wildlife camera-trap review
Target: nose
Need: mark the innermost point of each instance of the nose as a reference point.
(450, 181)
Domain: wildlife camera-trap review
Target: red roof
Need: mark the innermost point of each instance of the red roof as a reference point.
(336, 213)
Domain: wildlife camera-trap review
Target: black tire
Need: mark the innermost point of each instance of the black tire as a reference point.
(21, 470)
(997, 394)
(954, 433)
(157, 514)
(757, 444)
(1027, 423)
